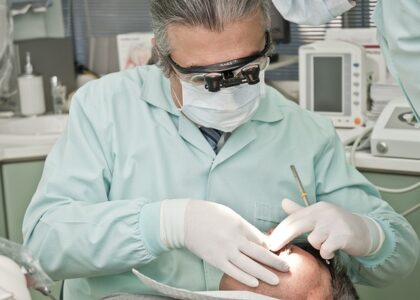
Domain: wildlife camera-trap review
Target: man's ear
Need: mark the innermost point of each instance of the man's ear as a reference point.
(166, 68)
(155, 49)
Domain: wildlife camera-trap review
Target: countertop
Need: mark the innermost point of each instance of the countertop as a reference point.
(36, 137)
(13, 153)
(37, 147)
(367, 162)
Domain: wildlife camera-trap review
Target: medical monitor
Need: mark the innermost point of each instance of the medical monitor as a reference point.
(332, 81)
(328, 83)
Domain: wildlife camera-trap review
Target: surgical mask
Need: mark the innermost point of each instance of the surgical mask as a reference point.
(311, 12)
(224, 110)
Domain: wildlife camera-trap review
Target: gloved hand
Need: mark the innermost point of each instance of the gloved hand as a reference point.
(221, 237)
(331, 228)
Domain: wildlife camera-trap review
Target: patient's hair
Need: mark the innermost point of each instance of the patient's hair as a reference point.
(342, 286)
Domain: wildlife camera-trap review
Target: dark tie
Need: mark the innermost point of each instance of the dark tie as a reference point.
(212, 136)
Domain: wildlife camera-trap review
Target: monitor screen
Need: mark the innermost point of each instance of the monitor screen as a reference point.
(328, 84)
(280, 28)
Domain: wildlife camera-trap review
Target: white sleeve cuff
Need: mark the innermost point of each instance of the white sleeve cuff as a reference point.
(377, 235)
(339, 7)
(172, 228)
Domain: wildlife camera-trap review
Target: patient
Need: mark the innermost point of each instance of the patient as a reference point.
(310, 278)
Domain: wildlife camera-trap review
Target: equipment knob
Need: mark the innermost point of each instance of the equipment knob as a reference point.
(382, 147)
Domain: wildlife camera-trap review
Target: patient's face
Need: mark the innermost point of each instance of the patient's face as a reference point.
(308, 278)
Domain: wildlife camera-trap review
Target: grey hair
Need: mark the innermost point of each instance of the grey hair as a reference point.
(341, 284)
(210, 14)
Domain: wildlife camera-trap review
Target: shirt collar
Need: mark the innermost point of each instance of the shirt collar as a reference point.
(269, 110)
(156, 89)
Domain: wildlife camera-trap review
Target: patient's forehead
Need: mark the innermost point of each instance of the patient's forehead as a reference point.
(307, 274)
(304, 253)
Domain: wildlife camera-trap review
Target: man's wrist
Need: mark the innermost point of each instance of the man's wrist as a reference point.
(172, 222)
(149, 220)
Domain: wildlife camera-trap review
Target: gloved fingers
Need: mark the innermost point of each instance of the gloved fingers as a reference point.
(290, 206)
(328, 248)
(264, 256)
(255, 235)
(317, 237)
(293, 226)
(254, 269)
(241, 276)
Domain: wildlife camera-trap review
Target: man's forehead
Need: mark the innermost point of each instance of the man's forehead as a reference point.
(196, 45)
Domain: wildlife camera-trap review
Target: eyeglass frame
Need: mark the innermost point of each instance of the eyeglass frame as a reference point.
(225, 66)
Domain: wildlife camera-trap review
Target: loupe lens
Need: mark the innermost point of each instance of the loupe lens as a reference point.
(213, 81)
(252, 74)
(198, 79)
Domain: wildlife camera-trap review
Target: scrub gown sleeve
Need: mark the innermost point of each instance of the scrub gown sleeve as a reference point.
(398, 25)
(339, 183)
(312, 12)
(70, 224)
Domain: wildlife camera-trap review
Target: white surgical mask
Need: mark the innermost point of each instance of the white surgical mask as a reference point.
(224, 110)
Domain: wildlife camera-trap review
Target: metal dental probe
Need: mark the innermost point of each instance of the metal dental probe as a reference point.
(303, 194)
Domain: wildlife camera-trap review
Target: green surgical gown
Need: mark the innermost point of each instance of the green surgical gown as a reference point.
(95, 214)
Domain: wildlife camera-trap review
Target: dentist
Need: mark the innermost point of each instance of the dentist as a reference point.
(177, 169)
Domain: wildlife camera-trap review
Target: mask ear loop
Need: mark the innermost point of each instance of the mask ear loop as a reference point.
(179, 107)
(263, 90)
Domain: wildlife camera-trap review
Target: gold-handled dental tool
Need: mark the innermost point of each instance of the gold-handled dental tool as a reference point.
(303, 194)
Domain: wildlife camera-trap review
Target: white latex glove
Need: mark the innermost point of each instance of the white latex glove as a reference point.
(331, 228)
(221, 237)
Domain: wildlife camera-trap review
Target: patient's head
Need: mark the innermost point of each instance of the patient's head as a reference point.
(310, 277)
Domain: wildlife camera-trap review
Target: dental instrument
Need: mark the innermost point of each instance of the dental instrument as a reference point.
(303, 194)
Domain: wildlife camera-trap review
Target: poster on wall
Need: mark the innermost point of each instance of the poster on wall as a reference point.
(134, 49)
